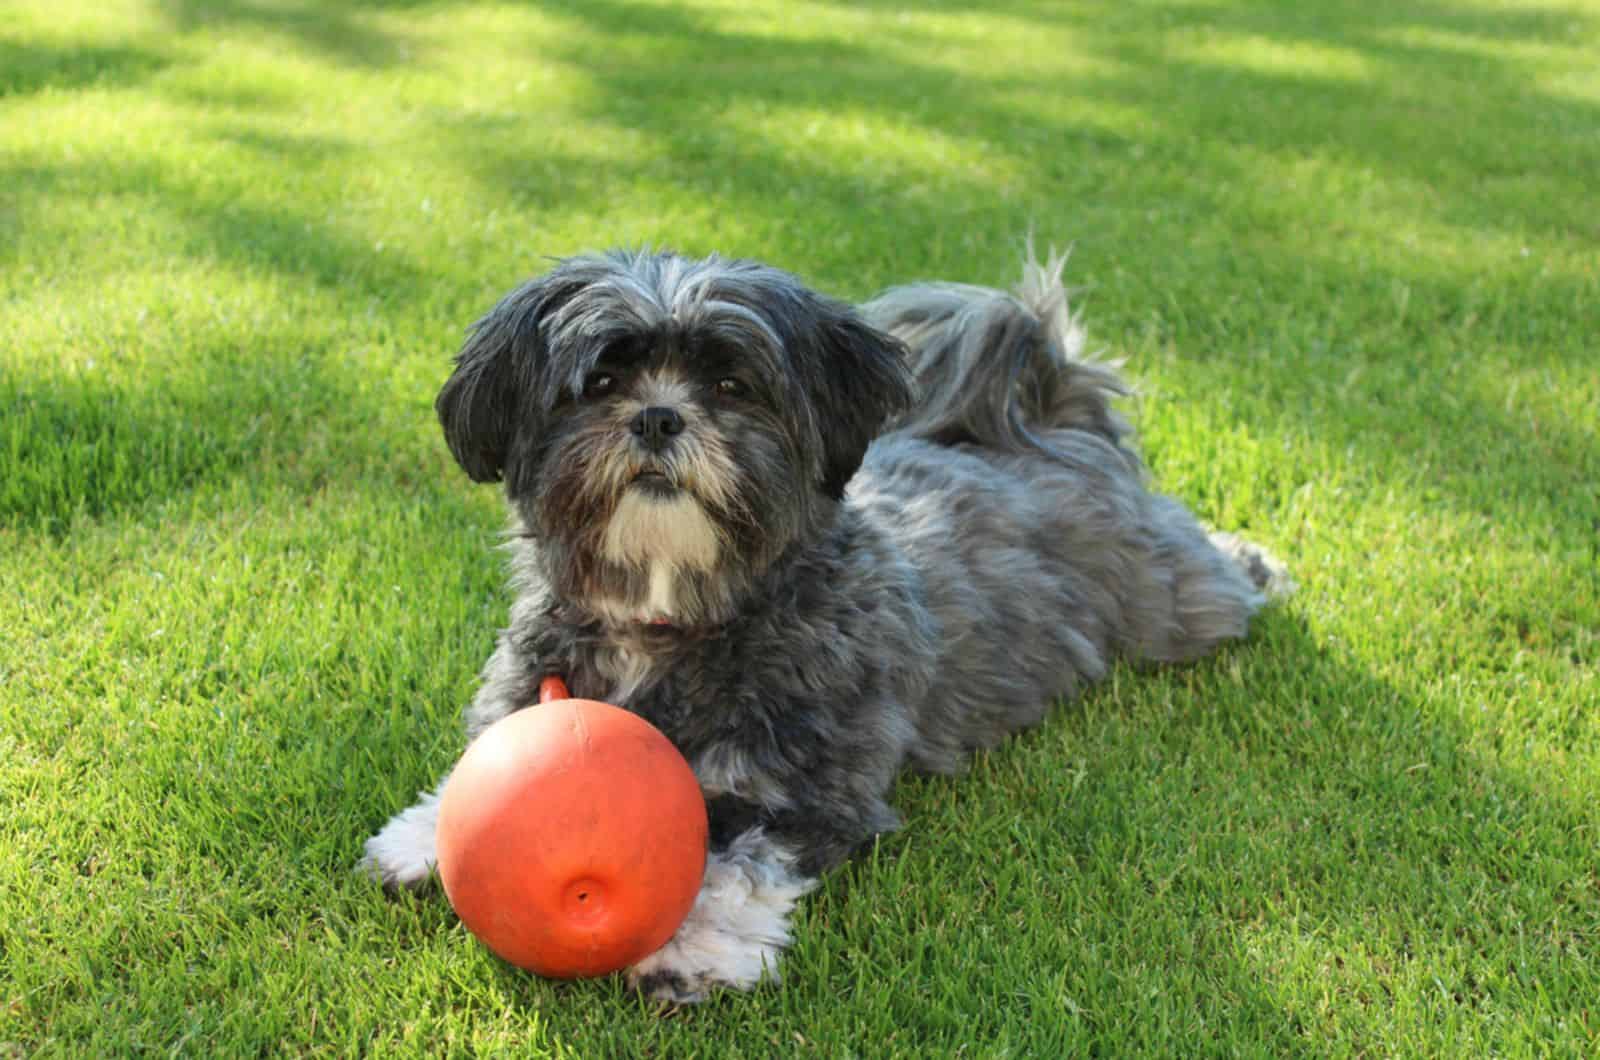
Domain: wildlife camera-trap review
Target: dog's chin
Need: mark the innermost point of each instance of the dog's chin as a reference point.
(656, 485)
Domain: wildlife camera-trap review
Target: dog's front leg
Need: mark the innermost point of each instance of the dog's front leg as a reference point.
(738, 926)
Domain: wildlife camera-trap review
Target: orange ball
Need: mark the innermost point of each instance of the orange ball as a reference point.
(572, 838)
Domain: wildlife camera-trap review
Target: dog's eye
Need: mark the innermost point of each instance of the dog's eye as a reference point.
(731, 388)
(599, 385)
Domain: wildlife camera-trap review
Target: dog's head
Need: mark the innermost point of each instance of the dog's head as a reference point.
(667, 427)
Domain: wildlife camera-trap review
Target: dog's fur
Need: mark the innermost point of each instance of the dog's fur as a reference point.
(840, 543)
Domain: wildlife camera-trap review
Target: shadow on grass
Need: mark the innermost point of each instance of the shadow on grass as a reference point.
(248, 397)
(1391, 111)
(334, 29)
(213, 219)
(1236, 864)
(80, 447)
(240, 399)
(34, 67)
(1392, 114)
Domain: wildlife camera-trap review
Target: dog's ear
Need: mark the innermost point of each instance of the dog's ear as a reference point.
(478, 405)
(864, 382)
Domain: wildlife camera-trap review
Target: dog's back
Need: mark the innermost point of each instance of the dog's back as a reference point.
(1013, 486)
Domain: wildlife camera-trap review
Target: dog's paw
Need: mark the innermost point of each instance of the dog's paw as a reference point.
(737, 930)
(702, 959)
(403, 855)
(395, 876)
(1267, 572)
(669, 987)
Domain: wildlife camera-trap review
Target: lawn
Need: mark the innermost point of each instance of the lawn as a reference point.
(1349, 251)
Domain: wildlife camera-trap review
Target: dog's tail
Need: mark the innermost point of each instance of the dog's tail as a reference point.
(1000, 369)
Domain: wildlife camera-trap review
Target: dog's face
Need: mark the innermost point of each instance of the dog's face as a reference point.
(667, 427)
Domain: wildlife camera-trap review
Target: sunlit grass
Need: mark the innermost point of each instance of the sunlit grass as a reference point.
(1347, 251)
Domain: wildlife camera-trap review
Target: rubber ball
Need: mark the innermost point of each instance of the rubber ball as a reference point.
(572, 838)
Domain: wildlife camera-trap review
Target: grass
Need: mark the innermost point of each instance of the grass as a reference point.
(1348, 251)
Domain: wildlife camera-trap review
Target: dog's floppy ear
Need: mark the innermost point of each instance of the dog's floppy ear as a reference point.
(478, 404)
(864, 382)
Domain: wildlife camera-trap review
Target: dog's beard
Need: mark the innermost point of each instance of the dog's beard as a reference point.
(664, 540)
(662, 536)
(650, 529)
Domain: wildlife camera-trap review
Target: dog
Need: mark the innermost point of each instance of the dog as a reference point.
(814, 545)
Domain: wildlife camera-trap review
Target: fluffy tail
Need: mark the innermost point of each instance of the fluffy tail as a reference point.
(1000, 369)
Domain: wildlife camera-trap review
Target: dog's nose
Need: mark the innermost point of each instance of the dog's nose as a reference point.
(656, 427)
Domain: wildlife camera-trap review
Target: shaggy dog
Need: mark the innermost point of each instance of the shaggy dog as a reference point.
(814, 545)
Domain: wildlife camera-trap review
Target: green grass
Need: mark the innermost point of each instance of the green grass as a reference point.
(1350, 252)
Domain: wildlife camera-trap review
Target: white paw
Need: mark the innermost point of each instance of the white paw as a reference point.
(403, 853)
(737, 929)
(1266, 571)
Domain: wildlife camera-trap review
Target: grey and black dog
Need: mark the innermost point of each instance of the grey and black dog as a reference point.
(814, 545)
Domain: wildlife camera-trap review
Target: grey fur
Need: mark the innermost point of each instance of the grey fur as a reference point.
(995, 551)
